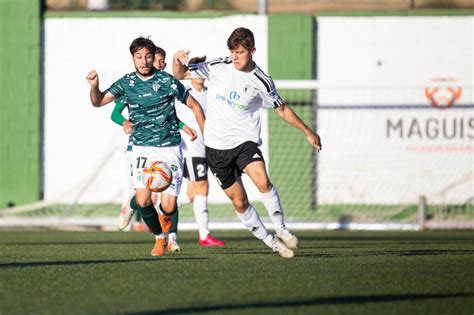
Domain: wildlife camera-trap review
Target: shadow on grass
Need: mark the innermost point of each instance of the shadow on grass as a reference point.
(88, 262)
(412, 237)
(431, 252)
(374, 253)
(357, 299)
(315, 252)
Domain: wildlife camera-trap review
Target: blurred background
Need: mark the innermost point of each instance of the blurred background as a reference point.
(387, 84)
(253, 6)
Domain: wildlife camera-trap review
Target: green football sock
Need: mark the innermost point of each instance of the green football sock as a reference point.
(149, 215)
(174, 222)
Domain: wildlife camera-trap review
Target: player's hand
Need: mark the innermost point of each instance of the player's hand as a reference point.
(127, 127)
(315, 141)
(181, 57)
(93, 78)
(190, 132)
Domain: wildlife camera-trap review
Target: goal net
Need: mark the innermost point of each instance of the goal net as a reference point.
(393, 156)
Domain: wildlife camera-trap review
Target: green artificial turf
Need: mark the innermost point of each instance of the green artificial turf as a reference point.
(338, 272)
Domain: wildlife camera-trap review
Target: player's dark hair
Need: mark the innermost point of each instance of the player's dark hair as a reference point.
(142, 42)
(241, 36)
(196, 60)
(160, 51)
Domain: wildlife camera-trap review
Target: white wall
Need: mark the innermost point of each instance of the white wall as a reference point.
(363, 160)
(368, 160)
(77, 136)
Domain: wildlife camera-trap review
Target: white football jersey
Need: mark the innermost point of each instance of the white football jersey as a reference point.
(185, 114)
(234, 102)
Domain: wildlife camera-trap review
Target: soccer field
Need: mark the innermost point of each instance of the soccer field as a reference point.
(338, 272)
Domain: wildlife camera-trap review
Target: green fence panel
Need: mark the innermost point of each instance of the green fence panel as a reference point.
(20, 25)
(291, 56)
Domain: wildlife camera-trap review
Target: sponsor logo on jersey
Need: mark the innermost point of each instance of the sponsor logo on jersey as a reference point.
(233, 96)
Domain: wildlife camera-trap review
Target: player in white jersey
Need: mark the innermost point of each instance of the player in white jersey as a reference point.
(195, 163)
(238, 89)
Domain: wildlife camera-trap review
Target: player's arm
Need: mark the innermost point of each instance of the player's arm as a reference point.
(184, 70)
(118, 118)
(287, 114)
(98, 98)
(180, 65)
(197, 111)
(187, 130)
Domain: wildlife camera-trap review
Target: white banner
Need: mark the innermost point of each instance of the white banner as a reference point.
(81, 141)
(396, 115)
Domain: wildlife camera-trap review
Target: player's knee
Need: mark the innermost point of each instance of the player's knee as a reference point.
(264, 186)
(143, 201)
(168, 206)
(202, 188)
(240, 204)
(168, 209)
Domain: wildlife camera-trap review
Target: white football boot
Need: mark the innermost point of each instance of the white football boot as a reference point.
(173, 245)
(281, 249)
(125, 216)
(290, 240)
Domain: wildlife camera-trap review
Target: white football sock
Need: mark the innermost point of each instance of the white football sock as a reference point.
(172, 237)
(161, 235)
(271, 201)
(252, 222)
(201, 215)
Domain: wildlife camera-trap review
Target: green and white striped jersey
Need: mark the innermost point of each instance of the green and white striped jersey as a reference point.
(151, 107)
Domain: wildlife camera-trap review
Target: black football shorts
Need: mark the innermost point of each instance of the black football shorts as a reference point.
(227, 165)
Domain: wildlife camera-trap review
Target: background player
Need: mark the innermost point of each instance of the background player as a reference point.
(195, 163)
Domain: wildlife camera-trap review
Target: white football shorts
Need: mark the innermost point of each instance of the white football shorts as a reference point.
(143, 156)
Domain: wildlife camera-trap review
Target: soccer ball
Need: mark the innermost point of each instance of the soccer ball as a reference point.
(157, 176)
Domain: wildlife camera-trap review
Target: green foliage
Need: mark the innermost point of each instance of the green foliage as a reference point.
(173, 5)
(216, 5)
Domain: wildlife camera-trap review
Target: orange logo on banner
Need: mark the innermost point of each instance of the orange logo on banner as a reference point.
(443, 96)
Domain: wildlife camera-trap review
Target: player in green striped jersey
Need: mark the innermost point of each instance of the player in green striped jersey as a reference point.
(151, 95)
(169, 224)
